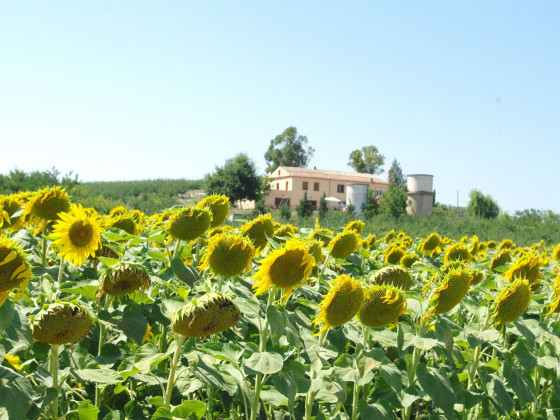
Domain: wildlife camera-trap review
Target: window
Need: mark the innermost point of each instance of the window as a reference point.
(377, 193)
(305, 186)
(315, 186)
(286, 185)
(277, 185)
(340, 188)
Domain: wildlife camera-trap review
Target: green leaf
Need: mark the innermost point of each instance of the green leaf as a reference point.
(287, 385)
(374, 411)
(6, 314)
(87, 411)
(523, 388)
(133, 323)
(107, 261)
(548, 362)
(263, 362)
(393, 376)
(424, 343)
(437, 387)
(274, 397)
(185, 273)
(189, 407)
(499, 395)
(147, 357)
(86, 288)
(99, 376)
(162, 413)
(15, 397)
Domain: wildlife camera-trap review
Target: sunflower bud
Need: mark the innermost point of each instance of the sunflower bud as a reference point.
(382, 306)
(60, 323)
(393, 275)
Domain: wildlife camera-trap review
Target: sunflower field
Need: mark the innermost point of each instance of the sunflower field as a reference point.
(179, 316)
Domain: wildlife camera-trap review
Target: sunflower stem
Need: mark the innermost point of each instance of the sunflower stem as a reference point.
(60, 275)
(172, 378)
(177, 250)
(310, 397)
(102, 340)
(54, 374)
(44, 249)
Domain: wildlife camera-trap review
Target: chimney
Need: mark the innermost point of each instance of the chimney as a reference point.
(389, 176)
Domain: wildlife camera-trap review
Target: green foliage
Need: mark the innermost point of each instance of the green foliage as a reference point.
(371, 206)
(323, 208)
(481, 205)
(18, 180)
(350, 210)
(305, 207)
(237, 179)
(367, 160)
(260, 208)
(285, 212)
(288, 149)
(393, 202)
(396, 176)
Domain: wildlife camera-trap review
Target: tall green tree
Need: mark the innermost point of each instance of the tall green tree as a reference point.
(481, 205)
(323, 207)
(393, 201)
(237, 179)
(396, 176)
(305, 207)
(288, 149)
(367, 160)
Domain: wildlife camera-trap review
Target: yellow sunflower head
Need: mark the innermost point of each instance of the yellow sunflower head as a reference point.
(512, 302)
(282, 232)
(228, 255)
(286, 268)
(138, 216)
(502, 258)
(221, 230)
(393, 275)
(45, 205)
(556, 254)
(322, 234)
(218, 206)
(431, 245)
(389, 236)
(211, 314)
(124, 222)
(123, 278)
(394, 253)
(259, 230)
(475, 246)
(315, 249)
(78, 235)
(491, 244)
(457, 252)
(344, 244)
(507, 244)
(477, 277)
(341, 304)
(370, 241)
(189, 223)
(528, 268)
(555, 304)
(382, 306)
(118, 211)
(9, 206)
(60, 323)
(355, 225)
(408, 259)
(449, 292)
(14, 268)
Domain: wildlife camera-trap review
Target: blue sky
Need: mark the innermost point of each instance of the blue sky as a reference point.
(466, 91)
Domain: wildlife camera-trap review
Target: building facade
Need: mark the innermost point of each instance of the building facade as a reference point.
(288, 186)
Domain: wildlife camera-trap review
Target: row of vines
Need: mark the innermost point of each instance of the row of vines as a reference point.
(177, 316)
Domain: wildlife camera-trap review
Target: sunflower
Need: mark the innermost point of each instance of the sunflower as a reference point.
(512, 302)
(45, 205)
(60, 323)
(118, 211)
(369, 242)
(124, 222)
(449, 292)
(14, 268)
(218, 206)
(341, 304)
(189, 223)
(500, 259)
(506, 244)
(527, 267)
(211, 314)
(389, 236)
(287, 268)
(221, 230)
(259, 230)
(477, 277)
(431, 245)
(123, 278)
(282, 232)
(315, 249)
(556, 254)
(355, 225)
(393, 275)
(408, 259)
(228, 255)
(457, 252)
(555, 305)
(382, 306)
(394, 253)
(79, 235)
(9, 206)
(344, 244)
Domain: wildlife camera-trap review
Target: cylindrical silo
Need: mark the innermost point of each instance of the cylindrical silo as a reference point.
(357, 195)
(420, 194)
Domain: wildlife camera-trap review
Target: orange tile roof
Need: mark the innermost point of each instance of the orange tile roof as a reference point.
(288, 171)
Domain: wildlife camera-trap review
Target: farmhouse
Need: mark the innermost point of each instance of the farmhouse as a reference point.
(288, 186)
